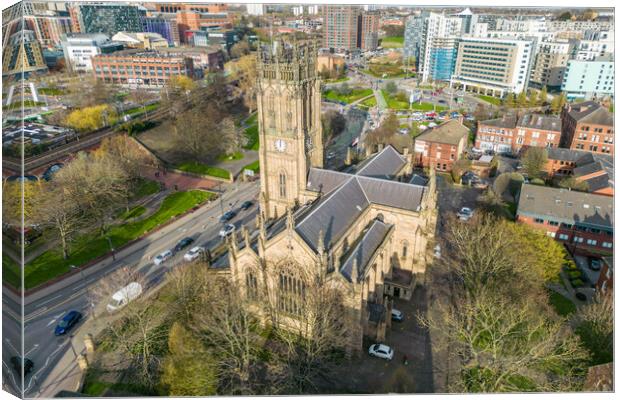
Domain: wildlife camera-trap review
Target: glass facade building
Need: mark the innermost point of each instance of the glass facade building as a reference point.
(443, 58)
(111, 18)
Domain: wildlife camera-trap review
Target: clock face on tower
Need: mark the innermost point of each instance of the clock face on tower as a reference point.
(280, 145)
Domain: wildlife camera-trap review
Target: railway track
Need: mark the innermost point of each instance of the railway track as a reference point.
(35, 162)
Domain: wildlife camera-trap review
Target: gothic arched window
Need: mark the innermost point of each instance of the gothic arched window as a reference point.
(282, 184)
(251, 286)
(405, 248)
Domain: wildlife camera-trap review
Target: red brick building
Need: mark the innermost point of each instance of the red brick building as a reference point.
(588, 126)
(140, 68)
(510, 134)
(593, 168)
(605, 281)
(440, 147)
(577, 219)
(194, 21)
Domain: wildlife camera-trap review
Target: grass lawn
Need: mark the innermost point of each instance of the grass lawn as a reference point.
(146, 187)
(390, 70)
(252, 133)
(343, 79)
(140, 110)
(51, 91)
(89, 246)
(355, 94)
(370, 102)
(490, 99)
(18, 104)
(203, 169)
(396, 104)
(561, 304)
(392, 42)
(237, 155)
(10, 271)
(253, 167)
(133, 213)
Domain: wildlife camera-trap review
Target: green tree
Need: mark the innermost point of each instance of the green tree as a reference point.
(91, 118)
(510, 100)
(542, 95)
(533, 99)
(558, 102)
(572, 183)
(189, 369)
(522, 99)
(534, 161)
(391, 87)
(565, 16)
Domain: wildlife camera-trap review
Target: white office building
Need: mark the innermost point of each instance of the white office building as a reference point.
(79, 48)
(255, 9)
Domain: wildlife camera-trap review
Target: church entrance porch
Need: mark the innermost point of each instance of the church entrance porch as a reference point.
(400, 284)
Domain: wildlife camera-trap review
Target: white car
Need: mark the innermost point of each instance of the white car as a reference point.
(381, 351)
(465, 214)
(227, 230)
(193, 253)
(162, 257)
(437, 251)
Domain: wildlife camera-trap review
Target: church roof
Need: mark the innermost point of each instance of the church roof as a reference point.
(365, 248)
(347, 196)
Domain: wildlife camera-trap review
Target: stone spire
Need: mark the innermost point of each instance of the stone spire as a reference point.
(290, 222)
(246, 236)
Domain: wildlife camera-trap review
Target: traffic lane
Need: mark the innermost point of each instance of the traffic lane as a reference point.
(153, 244)
(11, 345)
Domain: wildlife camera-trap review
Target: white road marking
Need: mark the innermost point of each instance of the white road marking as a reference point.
(30, 351)
(34, 376)
(10, 372)
(49, 300)
(9, 343)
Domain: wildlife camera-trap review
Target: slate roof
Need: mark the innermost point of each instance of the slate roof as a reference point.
(587, 169)
(450, 132)
(557, 153)
(418, 180)
(591, 112)
(346, 196)
(365, 248)
(598, 182)
(567, 206)
(542, 122)
(507, 121)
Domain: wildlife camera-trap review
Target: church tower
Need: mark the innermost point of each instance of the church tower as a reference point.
(289, 120)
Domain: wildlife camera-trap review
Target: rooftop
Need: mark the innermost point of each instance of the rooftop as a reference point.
(590, 112)
(568, 206)
(507, 121)
(542, 122)
(449, 132)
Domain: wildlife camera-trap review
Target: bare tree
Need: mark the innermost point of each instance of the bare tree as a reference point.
(596, 327)
(204, 133)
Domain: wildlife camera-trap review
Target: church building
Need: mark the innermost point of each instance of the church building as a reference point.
(366, 230)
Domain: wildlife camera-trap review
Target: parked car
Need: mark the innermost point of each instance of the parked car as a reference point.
(160, 258)
(397, 315)
(228, 216)
(330, 155)
(437, 251)
(194, 253)
(469, 178)
(121, 298)
(465, 214)
(17, 363)
(381, 351)
(480, 184)
(227, 230)
(246, 205)
(595, 264)
(67, 322)
(183, 243)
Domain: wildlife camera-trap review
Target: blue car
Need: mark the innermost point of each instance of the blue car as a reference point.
(67, 322)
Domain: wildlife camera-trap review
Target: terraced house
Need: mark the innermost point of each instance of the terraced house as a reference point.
(365, 230)
(588, 126)
(510, 134)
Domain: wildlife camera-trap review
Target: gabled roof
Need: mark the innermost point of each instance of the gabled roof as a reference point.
(364, 250)
(450, 132)
(507, 121)
(542, 122)
(385, 165)
(587, 169)
(557, 153)
(568, 206)
(325, 180)
(591, 112)
(598, 182)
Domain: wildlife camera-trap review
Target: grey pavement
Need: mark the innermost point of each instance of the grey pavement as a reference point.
(44, 308)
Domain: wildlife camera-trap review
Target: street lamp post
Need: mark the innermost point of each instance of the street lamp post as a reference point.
(111, 248)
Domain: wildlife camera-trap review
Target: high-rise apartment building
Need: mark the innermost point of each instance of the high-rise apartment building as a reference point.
(550, 64)
(589, 79)
(22, 55)
(348, 27)
(492, 66)
(414, 32)
(442, 59)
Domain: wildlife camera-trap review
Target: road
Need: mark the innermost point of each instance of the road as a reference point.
(43, 309)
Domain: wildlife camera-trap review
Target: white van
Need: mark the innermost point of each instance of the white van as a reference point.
(121, 298)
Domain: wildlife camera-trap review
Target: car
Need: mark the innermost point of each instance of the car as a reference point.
(397, 315)
(477, 150)
(121, 298)
(480, 184)
(437, 251)
(246, 204)
(442, 102)
(183, 243)
(381, 351)
(193, 253)
(227, 216)
(595, 264)
(330, 155)
(465, 214)
(227, 230)
(19, 361)
(67, 322)
(160, 258)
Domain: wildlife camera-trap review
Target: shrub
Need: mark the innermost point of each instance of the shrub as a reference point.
(576, 283)
(574, 274)
(537, 181)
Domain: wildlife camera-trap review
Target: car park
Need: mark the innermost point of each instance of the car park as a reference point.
(465, 214)
(160, 258)
(397, 315)
(67, 322)
(227, 230)
(246, 205)
(228, 216)
(193, 253)
(183, 243)
(381, 351)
